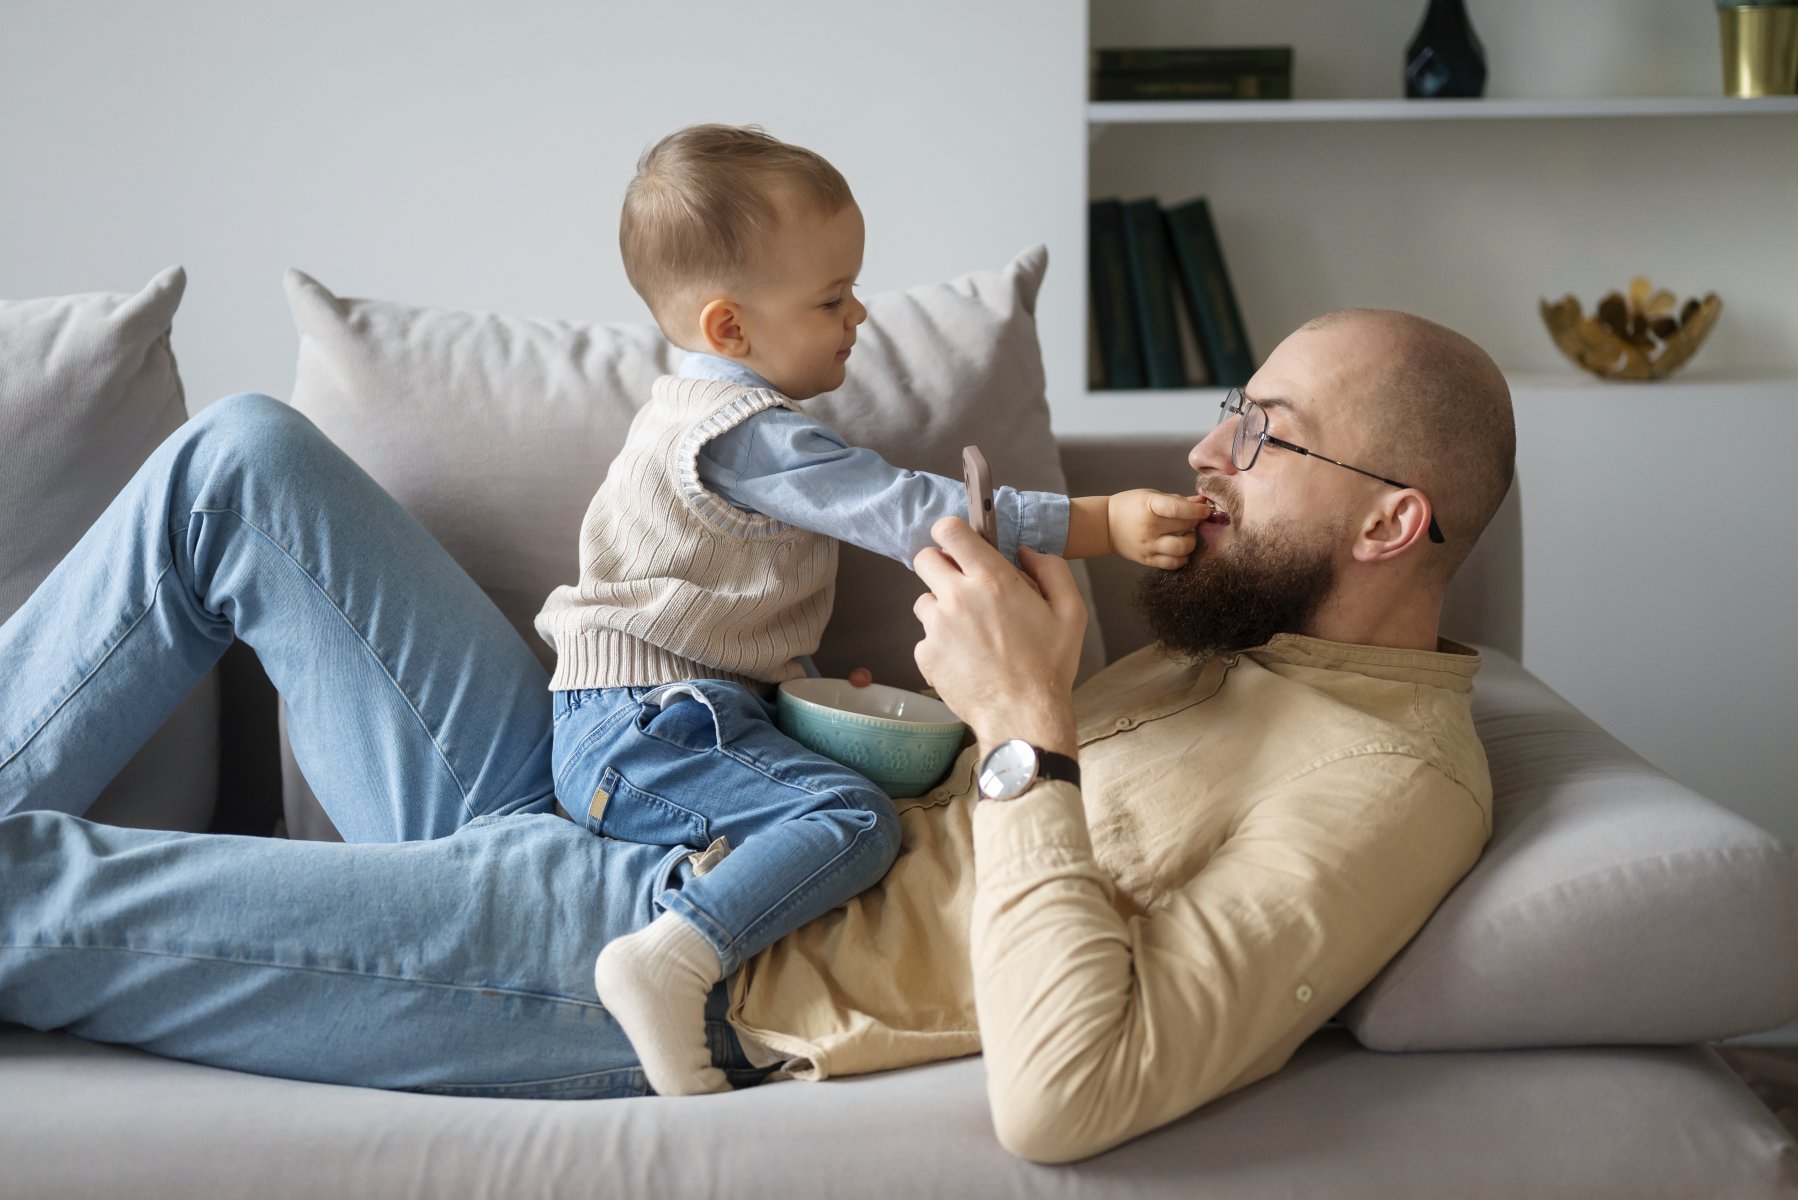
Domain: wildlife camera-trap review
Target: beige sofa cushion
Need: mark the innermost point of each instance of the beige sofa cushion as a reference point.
(88, 388)
(495, 430)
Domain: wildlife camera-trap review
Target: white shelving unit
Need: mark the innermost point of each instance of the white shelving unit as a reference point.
(1104, 113)
(1115, 411)
(1658, 565)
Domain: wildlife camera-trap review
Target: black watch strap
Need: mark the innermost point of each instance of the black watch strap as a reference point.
(1052, 765)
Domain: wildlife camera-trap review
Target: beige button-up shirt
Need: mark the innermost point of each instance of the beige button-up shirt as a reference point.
(1256, 836)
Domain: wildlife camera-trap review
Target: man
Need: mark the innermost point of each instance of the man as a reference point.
(1268, 805)
(1263, 817)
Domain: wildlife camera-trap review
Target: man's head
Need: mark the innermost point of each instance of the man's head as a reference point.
(745, 246)
(1314, 548)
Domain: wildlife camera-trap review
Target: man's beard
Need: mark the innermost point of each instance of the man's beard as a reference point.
(1222, 601)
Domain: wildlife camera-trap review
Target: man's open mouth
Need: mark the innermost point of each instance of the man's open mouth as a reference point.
(1218, 515)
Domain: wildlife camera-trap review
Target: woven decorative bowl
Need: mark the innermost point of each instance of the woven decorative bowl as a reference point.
(1644, 335)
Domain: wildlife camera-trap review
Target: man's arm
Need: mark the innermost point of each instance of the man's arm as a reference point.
(1096, 1028)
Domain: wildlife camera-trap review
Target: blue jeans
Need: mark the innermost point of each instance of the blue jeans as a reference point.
(685, 763)
(448, 944)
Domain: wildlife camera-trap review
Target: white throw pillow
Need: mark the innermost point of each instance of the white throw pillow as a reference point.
(88, 388)
(494, 431)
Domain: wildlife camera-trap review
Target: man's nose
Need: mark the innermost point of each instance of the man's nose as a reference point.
(1212, 455)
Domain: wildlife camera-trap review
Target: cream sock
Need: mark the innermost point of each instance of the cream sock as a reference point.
(655, 982)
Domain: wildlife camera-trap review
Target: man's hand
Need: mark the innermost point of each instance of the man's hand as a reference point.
(1156, 529)
(1000, 647)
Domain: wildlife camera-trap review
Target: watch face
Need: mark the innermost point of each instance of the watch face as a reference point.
(1008, 770)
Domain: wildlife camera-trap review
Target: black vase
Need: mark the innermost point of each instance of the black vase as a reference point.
(1445, 59)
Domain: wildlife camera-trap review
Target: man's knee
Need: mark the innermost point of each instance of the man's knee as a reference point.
(253, 426)
(245, 411)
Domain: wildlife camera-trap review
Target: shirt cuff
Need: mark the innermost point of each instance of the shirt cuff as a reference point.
(1046, 826)
(1035, 519)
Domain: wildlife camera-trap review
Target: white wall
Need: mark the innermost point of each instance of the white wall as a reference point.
(474, 155)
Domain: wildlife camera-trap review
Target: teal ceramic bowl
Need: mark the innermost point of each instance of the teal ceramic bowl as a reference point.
(902, 741)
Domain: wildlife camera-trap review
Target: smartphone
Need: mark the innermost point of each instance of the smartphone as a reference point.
(980, 494)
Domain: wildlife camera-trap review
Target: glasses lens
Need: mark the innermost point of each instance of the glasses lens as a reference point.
(1248, 434)
(1227, 408)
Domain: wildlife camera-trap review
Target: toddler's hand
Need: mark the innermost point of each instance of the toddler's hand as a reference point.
(1156, 529)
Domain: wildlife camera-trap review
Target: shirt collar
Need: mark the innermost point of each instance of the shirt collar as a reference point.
(1451, 665)
(698, 365)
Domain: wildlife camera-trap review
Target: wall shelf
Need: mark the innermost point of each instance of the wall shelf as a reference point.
(1191, 411)
(1104, 113)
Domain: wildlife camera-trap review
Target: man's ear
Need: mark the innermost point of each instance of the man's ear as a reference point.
(721, 328)
(1401, 521)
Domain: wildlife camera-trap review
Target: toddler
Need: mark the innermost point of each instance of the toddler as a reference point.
(707, 567)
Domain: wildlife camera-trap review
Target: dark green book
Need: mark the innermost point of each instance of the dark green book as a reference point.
(1194, 58)
(1205, 285)
(1152, 283)
(1114, 308)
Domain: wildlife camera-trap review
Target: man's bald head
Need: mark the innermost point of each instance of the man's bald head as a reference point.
(1429, 407)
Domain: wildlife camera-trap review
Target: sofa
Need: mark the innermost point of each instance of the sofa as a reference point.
(1543, 1034)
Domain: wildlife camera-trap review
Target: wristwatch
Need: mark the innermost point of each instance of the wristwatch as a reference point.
(1012, 768)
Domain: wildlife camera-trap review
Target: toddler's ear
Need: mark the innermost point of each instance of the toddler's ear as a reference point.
(721, 328)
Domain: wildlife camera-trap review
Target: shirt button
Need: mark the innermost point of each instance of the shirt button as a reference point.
(1304, 993)
(1126, 723)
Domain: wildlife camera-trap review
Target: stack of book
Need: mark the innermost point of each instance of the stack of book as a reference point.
(1147, 263)
(1193, 73)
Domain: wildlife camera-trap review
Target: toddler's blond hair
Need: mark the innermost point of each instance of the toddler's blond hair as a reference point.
(703, 202)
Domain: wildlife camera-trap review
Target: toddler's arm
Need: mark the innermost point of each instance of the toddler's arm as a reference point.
(793, 467)
(1156, 529)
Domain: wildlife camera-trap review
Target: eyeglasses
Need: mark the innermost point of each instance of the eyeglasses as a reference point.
(1251, 433)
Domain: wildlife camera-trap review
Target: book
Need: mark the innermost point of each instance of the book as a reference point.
(1095, 358)
(1113, 303)
(1152, 284)
(1205, 284)
(1145, 86)
(1192, 73)
(1197, 59)
(1198, 371)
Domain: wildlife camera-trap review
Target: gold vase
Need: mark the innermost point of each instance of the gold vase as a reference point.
(1760, 49)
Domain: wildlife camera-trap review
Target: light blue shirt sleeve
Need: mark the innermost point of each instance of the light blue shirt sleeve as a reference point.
(794, 468)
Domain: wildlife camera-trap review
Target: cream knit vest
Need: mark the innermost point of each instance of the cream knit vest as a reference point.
(676, 582)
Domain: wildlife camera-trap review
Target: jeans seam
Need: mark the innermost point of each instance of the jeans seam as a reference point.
(369, 646)
(149, 606)
(312, 968)
(698, 820)
(677, 902)
(879, 807)
(804, 887)
(557, 773)
(630, 1078)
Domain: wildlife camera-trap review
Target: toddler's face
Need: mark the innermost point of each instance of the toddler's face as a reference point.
(800, 315)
